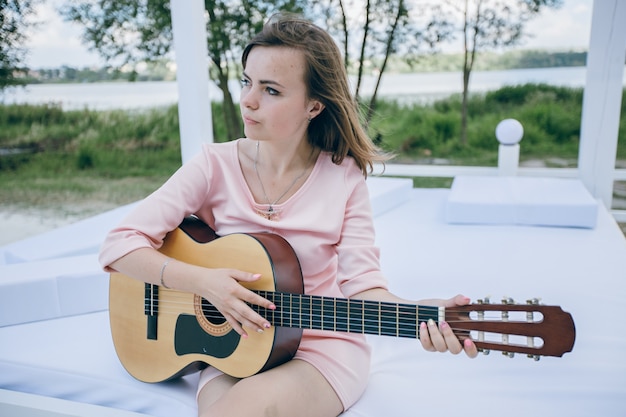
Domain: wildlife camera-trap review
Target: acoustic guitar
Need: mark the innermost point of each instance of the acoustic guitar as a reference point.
(160, 334)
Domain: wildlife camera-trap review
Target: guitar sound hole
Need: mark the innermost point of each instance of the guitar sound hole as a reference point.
(209, 318)
(212, 314)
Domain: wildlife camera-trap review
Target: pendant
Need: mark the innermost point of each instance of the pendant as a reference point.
(270, 213)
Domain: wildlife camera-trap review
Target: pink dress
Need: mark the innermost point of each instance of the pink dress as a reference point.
(328, 221)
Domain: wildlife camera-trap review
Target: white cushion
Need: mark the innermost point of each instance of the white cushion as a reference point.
(521, 200)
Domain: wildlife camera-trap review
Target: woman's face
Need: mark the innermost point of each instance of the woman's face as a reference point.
(274, 102)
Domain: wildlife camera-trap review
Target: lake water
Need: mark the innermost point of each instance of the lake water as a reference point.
(421, 87)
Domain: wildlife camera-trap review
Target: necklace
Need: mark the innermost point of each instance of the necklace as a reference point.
(271, 213)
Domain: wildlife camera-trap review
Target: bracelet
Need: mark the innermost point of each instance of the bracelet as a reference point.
(163, 270)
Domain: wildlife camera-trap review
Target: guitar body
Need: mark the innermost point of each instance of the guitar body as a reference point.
(175, 333)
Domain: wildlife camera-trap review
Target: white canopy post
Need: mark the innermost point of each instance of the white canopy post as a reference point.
(602, 98)
(192, 75)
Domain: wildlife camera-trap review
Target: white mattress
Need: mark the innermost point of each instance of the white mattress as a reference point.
(71, 356)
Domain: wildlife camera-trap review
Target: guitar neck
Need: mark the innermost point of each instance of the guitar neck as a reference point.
(345, 315)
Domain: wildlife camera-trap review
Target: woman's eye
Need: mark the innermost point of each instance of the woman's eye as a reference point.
(272, 92)
(244, 82)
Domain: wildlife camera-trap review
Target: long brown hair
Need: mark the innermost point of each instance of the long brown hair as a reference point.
(337, 129)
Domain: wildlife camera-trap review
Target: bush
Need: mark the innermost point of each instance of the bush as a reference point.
(550, 115)
(116, 144)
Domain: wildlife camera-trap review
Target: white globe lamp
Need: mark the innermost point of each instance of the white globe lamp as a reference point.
(509, 133)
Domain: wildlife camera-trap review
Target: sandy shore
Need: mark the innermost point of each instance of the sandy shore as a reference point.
(19, 224)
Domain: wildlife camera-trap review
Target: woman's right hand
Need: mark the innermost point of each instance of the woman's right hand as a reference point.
(223, 289)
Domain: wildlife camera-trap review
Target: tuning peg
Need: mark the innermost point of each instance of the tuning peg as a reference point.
(534, 357)
(509, 354)
(484, 351)
(507, 300)
(533, 301)
(485, 300)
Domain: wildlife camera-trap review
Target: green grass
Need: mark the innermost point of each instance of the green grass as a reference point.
(550, 116)
(108, 158)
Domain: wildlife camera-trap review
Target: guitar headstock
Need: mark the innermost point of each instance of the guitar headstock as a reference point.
(532, 328)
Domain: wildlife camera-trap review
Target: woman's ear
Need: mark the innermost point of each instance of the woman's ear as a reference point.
(315, 108)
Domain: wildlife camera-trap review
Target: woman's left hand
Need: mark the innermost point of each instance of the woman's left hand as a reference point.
(441, 338)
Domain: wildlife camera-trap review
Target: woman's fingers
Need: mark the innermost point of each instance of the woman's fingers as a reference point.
(441, 338)
(234, 302)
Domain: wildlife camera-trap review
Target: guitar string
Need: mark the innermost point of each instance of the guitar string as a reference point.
(412, 331)
(370, 305)
(385, 325)
(380, 325)
(374, 306)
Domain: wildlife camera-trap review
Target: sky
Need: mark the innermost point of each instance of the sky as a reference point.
(56, 43)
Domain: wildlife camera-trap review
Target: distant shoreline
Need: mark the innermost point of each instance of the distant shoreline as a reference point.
(164, 70)
(406, 87)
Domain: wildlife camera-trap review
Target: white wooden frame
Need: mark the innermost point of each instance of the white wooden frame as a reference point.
(602, 102)
(192, 75)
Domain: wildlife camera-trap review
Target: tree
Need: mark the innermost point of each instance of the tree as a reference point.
(132, 31)
(396, 31)
(15, 20)
(491, 24)
(372, 31)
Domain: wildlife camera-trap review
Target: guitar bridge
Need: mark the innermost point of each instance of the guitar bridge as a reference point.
(151, 310)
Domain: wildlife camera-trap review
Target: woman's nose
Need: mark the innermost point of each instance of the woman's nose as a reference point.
(248, 98)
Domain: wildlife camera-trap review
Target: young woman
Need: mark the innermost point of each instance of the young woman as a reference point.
(299, 173)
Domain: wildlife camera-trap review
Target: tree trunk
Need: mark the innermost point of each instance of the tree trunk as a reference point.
(466, 75)
(344, 23)
(232, 119)
(363, 46)
(392, 32)
(469, 54)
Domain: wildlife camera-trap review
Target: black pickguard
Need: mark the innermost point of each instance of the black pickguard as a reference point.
(189, 337)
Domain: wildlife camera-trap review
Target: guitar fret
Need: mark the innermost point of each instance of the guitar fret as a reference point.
(407, 321)
(297, 311)
(305, 306)
(286, 313)
(278, 313)
(379, 319)
(280, 310)
(363, 316)
(285, 310)
(272, 313)
(296, 320)
(425, 313)
(371, 317)
(328, 316)
(343, 315)
(316, 313)
(397, 320)
(355, 316)
(388, 314)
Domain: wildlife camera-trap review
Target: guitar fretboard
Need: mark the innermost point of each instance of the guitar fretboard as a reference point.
(346, 315)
